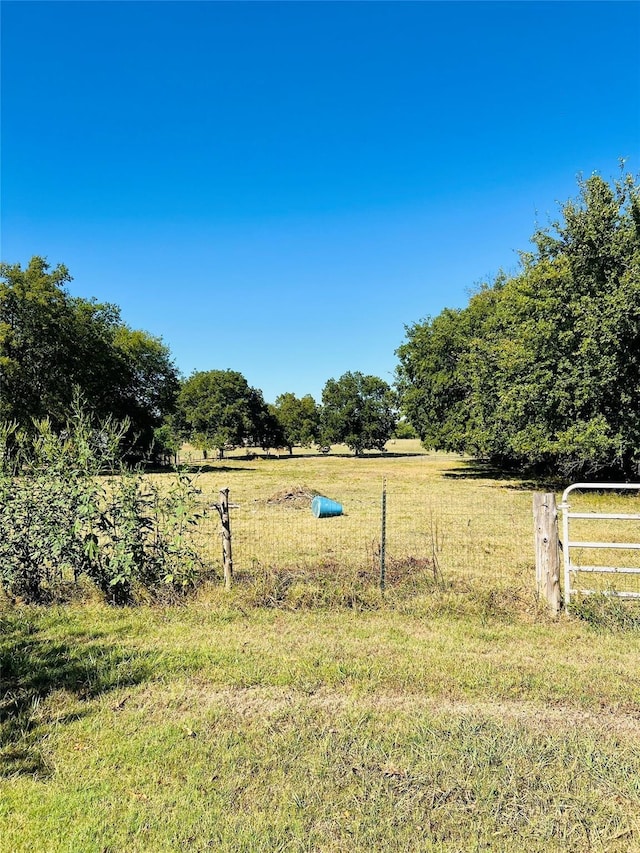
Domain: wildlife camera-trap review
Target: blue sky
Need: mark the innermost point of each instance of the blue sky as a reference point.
(278, 188)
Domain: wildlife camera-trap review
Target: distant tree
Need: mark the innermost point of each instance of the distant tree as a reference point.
(404, 430)
(269, 429)
(53, 345)
(299, 420)
(542, 369)
(217, 408)
(149, 381)
(359, 411)
(202, 441)
(166, 444)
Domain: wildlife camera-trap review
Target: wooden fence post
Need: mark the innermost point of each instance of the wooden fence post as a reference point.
(383, 533)
(545, 522)
(227, 560)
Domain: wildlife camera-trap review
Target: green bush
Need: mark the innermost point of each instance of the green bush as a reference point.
(71, 508)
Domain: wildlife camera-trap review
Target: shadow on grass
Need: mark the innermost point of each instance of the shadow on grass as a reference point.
(216, 468)
(221, 466)
(379, 454)
(32, 666)
(474, 469)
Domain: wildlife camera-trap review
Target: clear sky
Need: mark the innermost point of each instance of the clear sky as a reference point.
(279, 188)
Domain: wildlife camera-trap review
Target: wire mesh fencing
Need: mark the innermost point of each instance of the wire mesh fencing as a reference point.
(483, 539)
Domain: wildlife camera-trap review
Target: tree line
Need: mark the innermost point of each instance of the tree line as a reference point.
(55, 347)
(540, 371)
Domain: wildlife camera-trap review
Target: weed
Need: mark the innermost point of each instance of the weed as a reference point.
(607, 612)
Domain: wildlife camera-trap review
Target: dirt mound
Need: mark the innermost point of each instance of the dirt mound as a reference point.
(298, 496)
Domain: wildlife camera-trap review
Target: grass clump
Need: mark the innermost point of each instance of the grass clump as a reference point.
(330, 585)
(607, 612)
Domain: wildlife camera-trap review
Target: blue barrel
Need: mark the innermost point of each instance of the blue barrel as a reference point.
(325, 507)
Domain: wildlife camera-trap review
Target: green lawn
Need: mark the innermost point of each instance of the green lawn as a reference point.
(438, 718)
(192, 728)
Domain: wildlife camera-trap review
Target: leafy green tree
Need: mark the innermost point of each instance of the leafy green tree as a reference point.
(433, 383)
(542, 369)
(299, 420)
(218, 408)
(359, 411)
(166, 444)
(149, 382)
(404, 430)
(270, 429)
(52, 344)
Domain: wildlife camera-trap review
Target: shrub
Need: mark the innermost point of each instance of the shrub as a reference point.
(72, 508)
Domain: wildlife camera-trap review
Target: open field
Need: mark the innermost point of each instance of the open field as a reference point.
(467, 528)
(449, 716)
(460, 523)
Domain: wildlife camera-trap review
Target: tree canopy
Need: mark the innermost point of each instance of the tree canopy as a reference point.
(541, 370)
(359, 411)
(298, 418)
(53, 345)
(217, 408)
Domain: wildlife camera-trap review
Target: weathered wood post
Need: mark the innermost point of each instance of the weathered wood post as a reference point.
(545, 523)
(383, 534)
(225, 519)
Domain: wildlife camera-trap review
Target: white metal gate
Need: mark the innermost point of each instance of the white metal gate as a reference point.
(570, 568)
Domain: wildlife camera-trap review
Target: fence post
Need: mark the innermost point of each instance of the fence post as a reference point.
(383, 534)
(545, 522)
(227, 560)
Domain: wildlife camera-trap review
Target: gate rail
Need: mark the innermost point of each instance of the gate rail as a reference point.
(568, 544)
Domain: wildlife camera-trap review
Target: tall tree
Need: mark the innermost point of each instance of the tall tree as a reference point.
(218, 408)
(542, 369)
(299, 419)
(149, 381)
(359, 411)
(46, 343)
(52, 344)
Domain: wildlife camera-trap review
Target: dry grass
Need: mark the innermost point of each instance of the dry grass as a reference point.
(439, 509)
(447, 512)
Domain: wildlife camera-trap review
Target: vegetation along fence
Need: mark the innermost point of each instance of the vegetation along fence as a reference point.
(479, 537)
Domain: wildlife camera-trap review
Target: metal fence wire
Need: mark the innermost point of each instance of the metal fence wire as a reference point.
(483, 539)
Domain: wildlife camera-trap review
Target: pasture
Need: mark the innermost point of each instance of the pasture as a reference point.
(448, 514)
(307, 711)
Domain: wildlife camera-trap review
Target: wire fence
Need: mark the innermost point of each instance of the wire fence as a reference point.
(486, 538)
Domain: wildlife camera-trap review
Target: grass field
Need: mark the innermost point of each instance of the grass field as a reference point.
(451, 514)
(439, 717)
(436, 508)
